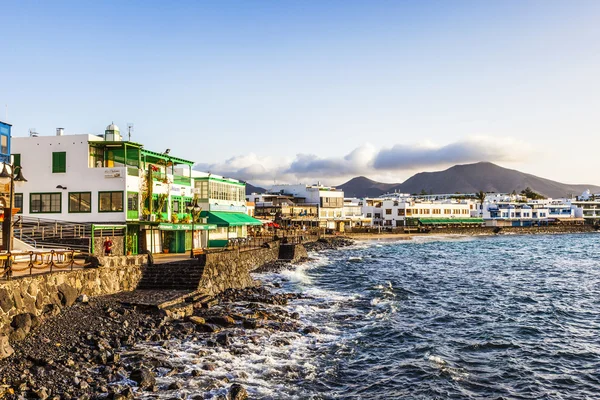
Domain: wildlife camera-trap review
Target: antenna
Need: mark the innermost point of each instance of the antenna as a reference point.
(32, 132)
(129, 130)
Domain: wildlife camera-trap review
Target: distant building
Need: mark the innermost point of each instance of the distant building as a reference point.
(326, 202)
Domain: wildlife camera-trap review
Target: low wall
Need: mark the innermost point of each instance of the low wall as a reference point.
(516, 230)
(24, 301)
(231, 269)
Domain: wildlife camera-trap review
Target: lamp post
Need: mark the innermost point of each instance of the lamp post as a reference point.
(193, 208)
(7, 231)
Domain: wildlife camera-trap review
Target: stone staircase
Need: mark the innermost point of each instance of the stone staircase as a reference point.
(178, 275)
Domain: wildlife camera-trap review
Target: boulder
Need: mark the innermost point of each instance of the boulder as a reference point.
(208, 328)
(237, 392)
(67, 294)
(22, 321)
(6, 301)
(5, 349)
(143, 377)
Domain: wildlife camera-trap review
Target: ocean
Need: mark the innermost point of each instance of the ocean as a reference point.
(447, 317)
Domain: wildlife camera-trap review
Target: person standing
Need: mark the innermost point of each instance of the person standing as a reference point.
(107, 246)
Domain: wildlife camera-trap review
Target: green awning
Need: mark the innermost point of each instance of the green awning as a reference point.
(186, 227)
(221, 218)
(450, 221)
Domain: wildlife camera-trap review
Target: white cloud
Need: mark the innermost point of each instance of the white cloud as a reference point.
(391, 164)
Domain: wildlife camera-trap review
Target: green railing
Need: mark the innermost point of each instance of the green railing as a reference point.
(182, 180)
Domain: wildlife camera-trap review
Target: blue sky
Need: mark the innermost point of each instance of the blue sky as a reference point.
(297, 91)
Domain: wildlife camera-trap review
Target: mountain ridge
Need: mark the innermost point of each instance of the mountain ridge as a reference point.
(465, 178)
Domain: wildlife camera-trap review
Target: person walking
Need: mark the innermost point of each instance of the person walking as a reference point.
(107, 246)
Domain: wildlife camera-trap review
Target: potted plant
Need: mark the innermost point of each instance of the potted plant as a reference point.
(167, 239)
(129, 245)
(174, 218)
(187, 219)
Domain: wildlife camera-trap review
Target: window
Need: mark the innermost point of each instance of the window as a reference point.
(45, 203)
(132, 201)
(4, 144)
(19, 202)
(110, 201)
(368, 215)
(388, 211)
(16, 160)
(176, 204)
(59, 162)
(401, 212)
(80, 202)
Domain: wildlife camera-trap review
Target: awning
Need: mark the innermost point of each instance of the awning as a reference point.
(186, 227)
(449, 221)
(221, 218)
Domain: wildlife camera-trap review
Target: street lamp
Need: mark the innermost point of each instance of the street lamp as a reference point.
(7, 228)
(193, 208)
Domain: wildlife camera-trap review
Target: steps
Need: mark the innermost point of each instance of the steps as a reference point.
(178, 275)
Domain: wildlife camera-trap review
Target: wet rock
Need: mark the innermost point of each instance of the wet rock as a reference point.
(310, 329)
(197, 320)
(209, 367)
(195, 373)
(237, 392)
(143, 377)
(225, 320)
(208, 328)
(223, 339)
(175, 385)
(250, 324)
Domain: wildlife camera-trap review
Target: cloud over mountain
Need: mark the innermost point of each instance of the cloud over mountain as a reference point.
(367, 159)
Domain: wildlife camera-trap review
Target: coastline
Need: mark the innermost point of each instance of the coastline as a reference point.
(94, 349)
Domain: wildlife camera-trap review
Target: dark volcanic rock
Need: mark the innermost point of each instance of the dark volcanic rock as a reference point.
(143, 377)
(67, 294)
(237, 392)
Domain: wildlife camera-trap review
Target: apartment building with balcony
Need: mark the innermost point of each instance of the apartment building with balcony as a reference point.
(400, 210)
(224, 205)
(106, 181)
(326, 201)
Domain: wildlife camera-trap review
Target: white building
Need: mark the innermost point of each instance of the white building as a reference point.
(103, 180)
(328, 200)
(404, 210)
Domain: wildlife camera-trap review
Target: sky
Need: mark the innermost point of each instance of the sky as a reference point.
(300, 91)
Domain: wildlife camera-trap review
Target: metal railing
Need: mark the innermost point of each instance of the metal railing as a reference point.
(39, 261)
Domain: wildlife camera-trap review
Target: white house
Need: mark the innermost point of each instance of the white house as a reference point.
(328, 200)
(103, 180)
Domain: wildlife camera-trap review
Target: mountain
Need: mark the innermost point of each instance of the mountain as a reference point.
(365, 187)
(253, 189)
(470, 178)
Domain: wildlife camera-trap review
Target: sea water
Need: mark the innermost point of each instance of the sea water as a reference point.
(434, 317)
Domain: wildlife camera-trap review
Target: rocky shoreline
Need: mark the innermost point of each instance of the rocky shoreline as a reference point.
(96, 348)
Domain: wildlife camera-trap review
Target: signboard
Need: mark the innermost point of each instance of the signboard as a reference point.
(186, 227)
(112, 173)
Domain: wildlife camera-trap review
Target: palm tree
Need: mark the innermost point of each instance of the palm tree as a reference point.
(480, 196)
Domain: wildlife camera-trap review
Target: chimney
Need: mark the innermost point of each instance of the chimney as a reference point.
(60, 131)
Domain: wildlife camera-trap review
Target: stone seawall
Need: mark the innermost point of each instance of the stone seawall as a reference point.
(516, 230)
(25, 301)
(231, 270)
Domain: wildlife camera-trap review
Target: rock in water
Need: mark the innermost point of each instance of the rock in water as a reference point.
(143, 377)
(237, 392)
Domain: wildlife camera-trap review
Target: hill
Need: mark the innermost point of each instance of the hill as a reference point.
(469, 178)
(365, 187)
(253, 189)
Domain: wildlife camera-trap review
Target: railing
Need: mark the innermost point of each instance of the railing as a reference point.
(44, 261)
(182, 180)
